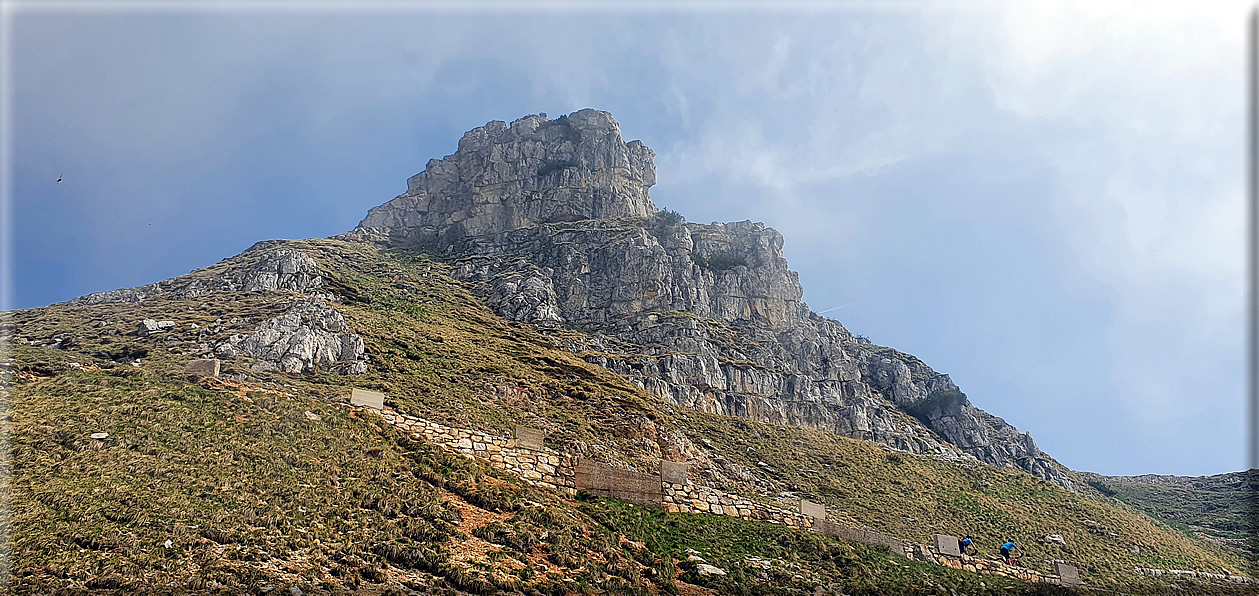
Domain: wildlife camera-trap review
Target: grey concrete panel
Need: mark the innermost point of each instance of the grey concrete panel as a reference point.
(673, 472)
(862, 535)
(370, 399)
(202, 368)
(947, 545)
(529, 437)
(626, 485)
(812, 509)
(1069, 574)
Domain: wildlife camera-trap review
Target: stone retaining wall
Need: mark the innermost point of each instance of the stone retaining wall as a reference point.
(865, 536)
(546, 467)
(564, 473)
(561, 472)
(558, 471)
(692, 498)
(988, 566)
(1198, 574)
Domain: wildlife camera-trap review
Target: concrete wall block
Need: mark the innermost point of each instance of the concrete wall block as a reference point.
(1068, 573)
(947, 545)
(529, 438)
(812, 509)
(674, 472)
(368, 399)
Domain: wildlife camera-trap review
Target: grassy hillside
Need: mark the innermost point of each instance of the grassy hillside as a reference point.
(916, 497)
(252, 490)
(1220, 509)
(258, 487)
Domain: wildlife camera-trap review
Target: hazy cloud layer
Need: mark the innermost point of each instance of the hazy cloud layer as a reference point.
(1045, 201)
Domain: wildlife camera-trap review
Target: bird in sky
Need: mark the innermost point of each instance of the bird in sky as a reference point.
(58, 179)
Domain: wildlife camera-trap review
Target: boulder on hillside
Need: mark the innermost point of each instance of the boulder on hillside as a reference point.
(149, 327)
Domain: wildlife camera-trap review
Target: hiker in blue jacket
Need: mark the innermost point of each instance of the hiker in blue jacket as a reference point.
(1005, 550)
(964, 544)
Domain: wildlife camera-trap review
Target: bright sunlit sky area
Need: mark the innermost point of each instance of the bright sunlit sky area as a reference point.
(1046, 201)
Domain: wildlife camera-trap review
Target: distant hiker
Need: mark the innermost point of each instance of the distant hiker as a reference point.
(964, 544)
(1005, 550)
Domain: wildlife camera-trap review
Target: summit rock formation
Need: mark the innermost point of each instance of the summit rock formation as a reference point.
(552, 224)
(508, 177)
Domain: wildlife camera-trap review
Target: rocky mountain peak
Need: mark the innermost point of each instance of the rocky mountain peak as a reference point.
(509, 176)
(550, 223)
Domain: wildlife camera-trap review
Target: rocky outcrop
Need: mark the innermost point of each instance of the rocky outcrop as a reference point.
(533, 171)
(149, 327)
(285, 270)
(594, 273)
(310, 335)
(551, 223)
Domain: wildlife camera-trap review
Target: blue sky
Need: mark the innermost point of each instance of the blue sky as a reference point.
(1043, 200)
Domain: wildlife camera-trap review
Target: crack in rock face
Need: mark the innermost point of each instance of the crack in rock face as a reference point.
(311, 334)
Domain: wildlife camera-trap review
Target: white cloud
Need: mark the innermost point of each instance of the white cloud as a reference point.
(1136, 110)
(1156, 195)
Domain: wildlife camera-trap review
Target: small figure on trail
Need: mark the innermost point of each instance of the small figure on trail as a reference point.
(1005, 550)
(964, 544)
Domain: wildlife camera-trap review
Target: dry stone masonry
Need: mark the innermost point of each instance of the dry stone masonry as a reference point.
(543, 467)
(946, 552)
(1240, 579)
(694, 498)
(670, 488)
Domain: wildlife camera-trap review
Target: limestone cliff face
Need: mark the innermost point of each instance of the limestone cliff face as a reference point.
(533, 171)
(552, 224)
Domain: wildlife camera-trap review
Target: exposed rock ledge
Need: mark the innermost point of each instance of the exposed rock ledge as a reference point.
(309, 335)
(285, 270)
